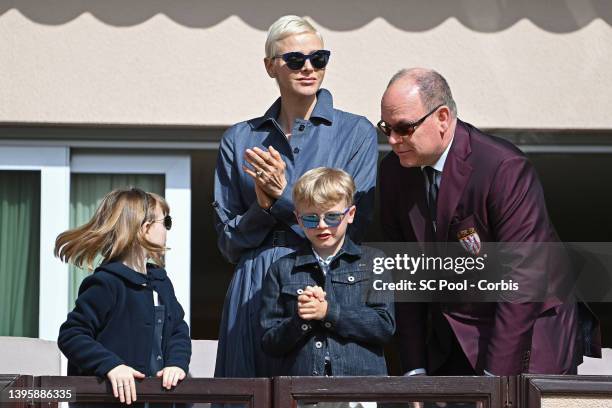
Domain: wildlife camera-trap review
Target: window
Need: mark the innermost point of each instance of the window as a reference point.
(19, 252)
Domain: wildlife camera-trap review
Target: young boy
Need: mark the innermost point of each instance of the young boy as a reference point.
(316, 313)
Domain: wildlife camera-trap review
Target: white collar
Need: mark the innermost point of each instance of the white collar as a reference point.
(319, 259)
(439, 165)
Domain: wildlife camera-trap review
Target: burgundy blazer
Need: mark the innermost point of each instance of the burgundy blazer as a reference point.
(489, 185)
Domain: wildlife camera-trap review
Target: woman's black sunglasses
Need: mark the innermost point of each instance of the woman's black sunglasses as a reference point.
(296, 60)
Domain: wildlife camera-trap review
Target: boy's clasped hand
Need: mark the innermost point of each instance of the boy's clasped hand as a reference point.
(312, 304)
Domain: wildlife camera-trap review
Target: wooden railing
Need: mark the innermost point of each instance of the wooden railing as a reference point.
(527, 391)
(393, 391)
(583, 390)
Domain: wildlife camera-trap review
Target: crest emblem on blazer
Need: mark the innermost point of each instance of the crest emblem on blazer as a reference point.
(469, 240)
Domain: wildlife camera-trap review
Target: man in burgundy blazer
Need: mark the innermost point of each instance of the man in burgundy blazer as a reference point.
(486, 187)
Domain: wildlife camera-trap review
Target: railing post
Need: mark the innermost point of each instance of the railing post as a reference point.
(19, 381)
(510, 391)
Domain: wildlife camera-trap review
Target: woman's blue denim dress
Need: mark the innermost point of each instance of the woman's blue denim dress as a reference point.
(254, 238)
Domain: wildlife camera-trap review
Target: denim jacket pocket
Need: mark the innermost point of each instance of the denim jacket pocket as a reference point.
(293, 289)
(289, 295)
(350, 287)
(350, 277)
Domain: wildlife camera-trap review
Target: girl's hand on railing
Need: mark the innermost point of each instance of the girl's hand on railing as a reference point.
(171, 376)
(122, 381)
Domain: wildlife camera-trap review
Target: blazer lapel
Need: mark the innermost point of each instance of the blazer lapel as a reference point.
(455, 176)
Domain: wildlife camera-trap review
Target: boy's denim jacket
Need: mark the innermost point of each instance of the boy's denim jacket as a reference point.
(355, 328)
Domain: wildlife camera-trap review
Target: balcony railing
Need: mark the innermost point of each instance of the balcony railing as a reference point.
(527, 391)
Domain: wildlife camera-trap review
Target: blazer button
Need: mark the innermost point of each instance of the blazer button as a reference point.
(300, 291)
(318, 344)
(327, 325)
(305, 327)
(301, 128)
(351, 279)
(296, 150)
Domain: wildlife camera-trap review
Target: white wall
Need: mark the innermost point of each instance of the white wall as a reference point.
(511, 64)
(576, 402)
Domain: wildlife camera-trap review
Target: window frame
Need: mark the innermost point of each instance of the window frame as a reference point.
(176, 170)
(55, 164)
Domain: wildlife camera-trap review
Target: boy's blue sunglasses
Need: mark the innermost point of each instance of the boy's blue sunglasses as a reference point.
(332, 219)
(296, 60)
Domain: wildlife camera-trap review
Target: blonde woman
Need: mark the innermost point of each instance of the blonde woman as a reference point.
(126, 323)
(259, 161)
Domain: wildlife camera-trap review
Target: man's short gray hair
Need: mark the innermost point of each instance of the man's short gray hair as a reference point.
(433, 88)
(284, 27)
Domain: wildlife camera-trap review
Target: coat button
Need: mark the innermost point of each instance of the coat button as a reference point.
(301, 128)
(305, 327)
(351, 279)
(327, 325)
(296, 150)
(159, 320)
(318, 344)
(300, 291)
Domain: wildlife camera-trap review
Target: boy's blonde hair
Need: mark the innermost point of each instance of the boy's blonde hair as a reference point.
(114, 230)
(284, 27)
(323, 187)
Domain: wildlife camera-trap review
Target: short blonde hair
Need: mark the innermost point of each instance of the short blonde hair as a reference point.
(323, 187)
(114, 230)
(284, 27)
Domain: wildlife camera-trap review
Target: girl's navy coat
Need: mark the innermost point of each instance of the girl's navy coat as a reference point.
(112, 322)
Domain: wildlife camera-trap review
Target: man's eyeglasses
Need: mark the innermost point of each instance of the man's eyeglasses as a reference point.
(404, 129)
(332, 219)
(167, 221)
(296, 60)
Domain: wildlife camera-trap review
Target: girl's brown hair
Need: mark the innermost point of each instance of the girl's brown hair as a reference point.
(114, 231)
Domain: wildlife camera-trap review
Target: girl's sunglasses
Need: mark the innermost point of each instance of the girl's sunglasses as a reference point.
(296, 60)
(332, 219)
(167, 221)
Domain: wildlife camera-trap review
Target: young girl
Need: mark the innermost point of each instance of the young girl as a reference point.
(127, 322)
